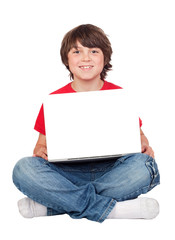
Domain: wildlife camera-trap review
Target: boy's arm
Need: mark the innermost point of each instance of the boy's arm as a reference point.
(145, 145)
(40, 149)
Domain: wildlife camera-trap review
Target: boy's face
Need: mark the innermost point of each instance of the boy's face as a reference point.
(85, 63)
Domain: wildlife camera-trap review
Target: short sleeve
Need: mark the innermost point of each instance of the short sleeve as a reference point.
(140, 122)
(40, 123)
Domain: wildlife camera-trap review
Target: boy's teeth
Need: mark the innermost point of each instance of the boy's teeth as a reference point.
(85, 66)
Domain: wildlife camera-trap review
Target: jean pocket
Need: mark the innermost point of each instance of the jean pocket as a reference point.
(154, 172)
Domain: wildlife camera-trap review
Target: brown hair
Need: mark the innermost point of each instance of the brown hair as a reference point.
(89, 36)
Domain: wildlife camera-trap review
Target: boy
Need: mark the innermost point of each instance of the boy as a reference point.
(98, 190)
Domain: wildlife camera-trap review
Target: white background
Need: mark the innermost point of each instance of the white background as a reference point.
(142, 36)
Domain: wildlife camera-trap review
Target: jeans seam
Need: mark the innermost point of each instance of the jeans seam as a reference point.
(101, 219)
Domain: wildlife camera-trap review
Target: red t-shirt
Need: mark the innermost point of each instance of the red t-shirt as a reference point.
(40, 124)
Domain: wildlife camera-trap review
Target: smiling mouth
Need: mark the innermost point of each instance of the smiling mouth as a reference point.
(86, 67)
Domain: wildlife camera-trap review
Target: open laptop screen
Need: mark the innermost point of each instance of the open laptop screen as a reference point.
(91, 125)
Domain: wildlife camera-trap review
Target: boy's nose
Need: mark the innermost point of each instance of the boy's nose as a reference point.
(86, 57)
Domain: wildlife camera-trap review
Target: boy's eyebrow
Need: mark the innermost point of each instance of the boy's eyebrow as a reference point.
(79, 47)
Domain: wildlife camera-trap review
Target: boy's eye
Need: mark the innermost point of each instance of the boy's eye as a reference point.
(94, 51)
(77, 52)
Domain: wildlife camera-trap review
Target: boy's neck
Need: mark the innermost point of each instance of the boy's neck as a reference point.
(87, 85)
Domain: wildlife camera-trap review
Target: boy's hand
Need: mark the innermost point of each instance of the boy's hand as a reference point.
(41, 147)
(40, 151)
(145, 145)
(147, 150)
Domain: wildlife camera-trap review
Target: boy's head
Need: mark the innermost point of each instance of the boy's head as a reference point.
(89, 36)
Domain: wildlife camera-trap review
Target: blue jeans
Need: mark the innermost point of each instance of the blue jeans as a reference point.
(85, 190)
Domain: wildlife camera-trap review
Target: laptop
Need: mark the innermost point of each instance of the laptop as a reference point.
(88, 126)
